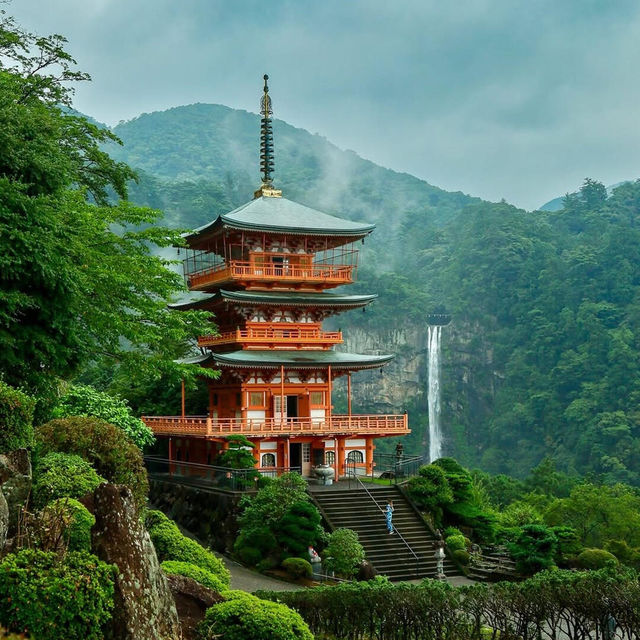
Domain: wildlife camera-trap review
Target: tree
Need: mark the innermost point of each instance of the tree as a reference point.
(344, 553)
(239, 454)
(79, 278)
(85, 401)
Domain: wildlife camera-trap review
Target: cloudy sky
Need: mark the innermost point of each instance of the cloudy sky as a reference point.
(514, 99)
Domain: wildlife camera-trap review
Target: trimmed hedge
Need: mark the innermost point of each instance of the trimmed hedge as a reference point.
(171, 544)
(109, 450)
(567, 604)
(246, 617)
(53, 598)
(595, 559)
(461, 556)
(16, 418)
(204, 577)
(456, 542)
(78, 533)
(62, 475)
(297, 568)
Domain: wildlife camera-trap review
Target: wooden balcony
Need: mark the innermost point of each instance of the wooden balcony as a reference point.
(204, 427)
(285, 336)
(246, 273)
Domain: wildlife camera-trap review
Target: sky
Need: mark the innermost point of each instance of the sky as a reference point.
(513, 99)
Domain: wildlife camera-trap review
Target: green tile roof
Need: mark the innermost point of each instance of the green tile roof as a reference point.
(279, 215)
(293, 298)
(290, 359)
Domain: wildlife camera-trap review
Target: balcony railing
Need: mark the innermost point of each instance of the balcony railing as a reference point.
(245, 271)
(203, 426)
(286, 336)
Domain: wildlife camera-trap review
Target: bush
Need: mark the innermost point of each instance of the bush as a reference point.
(297, 568)
(170, 544)
(248, 555)
(344, 553)
(534, 548)
(456, 542)
(54, 598)
(452, 531)
(595, 559)
(252, 545)
(430, 490)
(16, 418)
(624, 553)
(112, 454)
(484, 524)
(299, 528)
(245, 617)
(77, 534)
(204, 577)
(63, 475)
(85, 401)
(461, 556)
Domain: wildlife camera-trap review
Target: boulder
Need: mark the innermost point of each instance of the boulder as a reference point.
(15, 481)
(192, 601)
(144, 606)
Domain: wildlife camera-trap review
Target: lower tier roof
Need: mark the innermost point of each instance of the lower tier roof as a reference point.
(289, 359)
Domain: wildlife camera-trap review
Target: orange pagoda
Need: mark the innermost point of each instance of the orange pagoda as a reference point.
(264, 271)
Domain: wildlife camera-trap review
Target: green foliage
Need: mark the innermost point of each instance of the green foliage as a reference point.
(77, 533)
(239, 454)
(430, 490)
(16, 418)
(518, 514)
(455, 542)
(595, 559)
(461, 556)
(253, 544)
(297, 568)
(84, 283)
(484, 525)
(624, 553)
(203, 576)
(46, 595)
(62, 475)
(534, 548)
(246, 617)
(113, 455)
(568, 542)
(171, 544)
(344, 553)
(85, 401)
(299, 528)
(452, 531)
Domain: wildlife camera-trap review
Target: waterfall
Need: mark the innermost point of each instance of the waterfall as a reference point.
(435, 435)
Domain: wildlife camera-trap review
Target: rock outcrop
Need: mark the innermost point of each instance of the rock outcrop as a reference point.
(15, 484)
(192, 601)
(4, 520)
(144, 606)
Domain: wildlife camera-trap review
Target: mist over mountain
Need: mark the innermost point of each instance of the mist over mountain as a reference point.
(542, 357)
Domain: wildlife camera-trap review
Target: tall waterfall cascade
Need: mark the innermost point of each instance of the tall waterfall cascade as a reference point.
(433, 397)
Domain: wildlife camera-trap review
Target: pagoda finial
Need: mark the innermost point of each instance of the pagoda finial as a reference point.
(266, 146)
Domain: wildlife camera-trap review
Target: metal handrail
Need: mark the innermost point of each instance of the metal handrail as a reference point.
(351, 471)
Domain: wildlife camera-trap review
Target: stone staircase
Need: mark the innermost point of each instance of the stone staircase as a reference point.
(355, 509)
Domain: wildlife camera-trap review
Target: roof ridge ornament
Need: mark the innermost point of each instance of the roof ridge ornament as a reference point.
(266, 190)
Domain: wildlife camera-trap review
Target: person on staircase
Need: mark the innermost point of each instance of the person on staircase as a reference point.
(388, 514)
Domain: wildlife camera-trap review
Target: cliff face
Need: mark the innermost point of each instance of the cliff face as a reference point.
(469, 381)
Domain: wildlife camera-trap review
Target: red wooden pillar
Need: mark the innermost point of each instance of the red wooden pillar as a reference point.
(341, 470)
(369, 456)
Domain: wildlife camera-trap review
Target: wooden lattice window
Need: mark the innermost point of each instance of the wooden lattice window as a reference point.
(355, 456)
(268, 460)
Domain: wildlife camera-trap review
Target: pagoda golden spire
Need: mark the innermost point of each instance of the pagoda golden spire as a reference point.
(266, 146)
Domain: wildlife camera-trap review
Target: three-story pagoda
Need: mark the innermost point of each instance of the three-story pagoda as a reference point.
(264, 270)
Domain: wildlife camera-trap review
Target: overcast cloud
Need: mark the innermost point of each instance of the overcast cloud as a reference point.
(505, 99)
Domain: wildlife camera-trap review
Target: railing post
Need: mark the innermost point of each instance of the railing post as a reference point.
(209, 426)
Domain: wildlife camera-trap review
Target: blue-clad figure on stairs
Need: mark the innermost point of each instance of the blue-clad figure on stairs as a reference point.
(388, 514)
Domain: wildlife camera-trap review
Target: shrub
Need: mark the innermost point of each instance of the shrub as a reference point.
(239, 454)
(595, 559)
(456, 542)
(299, 528)
(297, 568)
(248, 555)
(204, 577)
(63, 475)
(113, 455)
(252, 545)
(85, 401)
(77, 533)
(461, 556)
(624, 553)
(534, 548)
(484, 524)
(430, 490)
(16, 418)
(245, 617)
(52, 598)
(452, 531)
(344, 553)
(517, 514)
(170, 544)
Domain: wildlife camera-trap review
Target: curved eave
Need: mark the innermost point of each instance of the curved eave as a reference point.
(289, 359)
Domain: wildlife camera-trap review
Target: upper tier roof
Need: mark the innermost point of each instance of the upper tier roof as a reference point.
(279, 215)
(276, 298)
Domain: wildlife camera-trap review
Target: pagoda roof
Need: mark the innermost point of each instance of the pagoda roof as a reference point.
(279, 215)
(277, 298)
(251, 359)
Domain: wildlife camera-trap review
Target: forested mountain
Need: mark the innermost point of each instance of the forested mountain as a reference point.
(542, 355)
